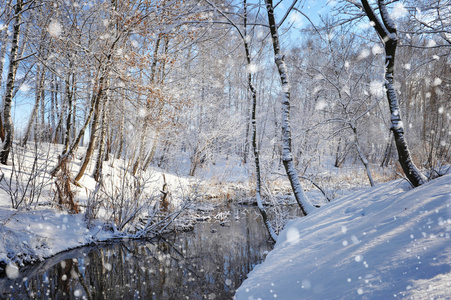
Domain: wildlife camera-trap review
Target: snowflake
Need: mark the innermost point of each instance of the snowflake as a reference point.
(364, 54)
(55, 28)
(252, 68)
(431, 43)
(320, 105)
(12, 271)
(398, 11)
(376, 88)
(437, 82)
(377, 50)
(296, 18)
(292, 235)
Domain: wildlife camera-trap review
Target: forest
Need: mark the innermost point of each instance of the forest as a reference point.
(100, 97)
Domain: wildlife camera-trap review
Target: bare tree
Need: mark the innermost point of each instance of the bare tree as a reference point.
(13, 65)
(287, 156)
(386, 29)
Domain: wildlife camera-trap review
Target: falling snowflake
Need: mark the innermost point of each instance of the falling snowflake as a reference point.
(296, 18)
(431, 43)
(252, 68)
(12, 271)
(344, 229)
(377, 50)
(24, 88)
(376, 88)
(320, 105)
(437, 81)
(364, 54)
(398, 11)
(54, 28)
(292, 235)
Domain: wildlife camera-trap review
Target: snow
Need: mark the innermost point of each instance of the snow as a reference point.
(437, 82)
(54, 28)
(376, 243)
(377, 88)
(385, 242)
(37, 234)
(40, 230)
(398, 11)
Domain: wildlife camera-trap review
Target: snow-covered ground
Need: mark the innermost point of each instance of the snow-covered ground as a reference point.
(385, 242)
(39, 229)
(373, 243)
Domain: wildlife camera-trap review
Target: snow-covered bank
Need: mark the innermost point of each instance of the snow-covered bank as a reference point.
(29, 236)
(38, 229)
(387, 242)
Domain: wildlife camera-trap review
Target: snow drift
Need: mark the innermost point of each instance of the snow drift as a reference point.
(380, 243)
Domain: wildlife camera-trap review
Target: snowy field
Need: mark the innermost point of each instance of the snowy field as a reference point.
(385, 242)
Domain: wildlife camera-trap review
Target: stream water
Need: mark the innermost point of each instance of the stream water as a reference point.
(209, 262)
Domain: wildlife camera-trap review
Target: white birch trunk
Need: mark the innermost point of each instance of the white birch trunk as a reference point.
(287, 156)
(13, 65)
(388, 34)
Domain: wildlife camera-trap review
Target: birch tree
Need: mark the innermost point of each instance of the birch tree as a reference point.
(386, 29)
(10, 81)
(246, 38)
(287, 156)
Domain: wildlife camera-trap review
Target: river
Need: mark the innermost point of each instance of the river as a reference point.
(209, 262)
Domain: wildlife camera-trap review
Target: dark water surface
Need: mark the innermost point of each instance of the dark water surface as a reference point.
(207, 263)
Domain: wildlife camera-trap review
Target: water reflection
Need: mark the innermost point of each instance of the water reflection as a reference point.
(207, 263)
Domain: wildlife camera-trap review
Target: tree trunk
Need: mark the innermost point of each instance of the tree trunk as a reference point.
(142, 146)
(121, 132)
(94, 127)
(13, 65)
(57, 132)
(253, 120)
(287, 156)
(3, 40)
(42, 131)
(362, 157)
(388, 34)
(152, 151)
(99, 163)
(94, 101)
(52, 106)
(69, 98)
(38, 94)
(387, 153)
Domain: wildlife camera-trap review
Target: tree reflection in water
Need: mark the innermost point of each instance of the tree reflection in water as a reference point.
(207, 263)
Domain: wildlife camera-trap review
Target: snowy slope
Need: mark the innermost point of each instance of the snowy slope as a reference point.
(387, 242)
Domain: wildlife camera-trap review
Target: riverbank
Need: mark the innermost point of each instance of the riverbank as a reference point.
(208, 262)
(390, 241)
(41, 227)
